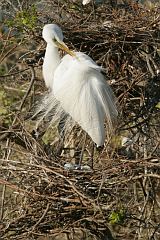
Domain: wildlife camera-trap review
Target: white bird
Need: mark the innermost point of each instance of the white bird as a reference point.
(77, 87)
(84, 2)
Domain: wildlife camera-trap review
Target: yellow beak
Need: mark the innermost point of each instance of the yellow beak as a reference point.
(64, 47)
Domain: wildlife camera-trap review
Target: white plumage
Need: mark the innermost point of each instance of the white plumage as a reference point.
(77, 87)
(84, 2)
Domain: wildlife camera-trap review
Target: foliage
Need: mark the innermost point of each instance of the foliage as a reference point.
(117, 217)
(24, 19)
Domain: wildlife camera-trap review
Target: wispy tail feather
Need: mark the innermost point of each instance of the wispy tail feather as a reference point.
(49, 108)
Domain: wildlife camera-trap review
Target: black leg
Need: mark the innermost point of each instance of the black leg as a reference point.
(92, 155)
(83, 148)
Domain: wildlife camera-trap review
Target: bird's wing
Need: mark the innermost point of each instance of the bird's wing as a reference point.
(85, 60)
(85, 95)
(81, 61)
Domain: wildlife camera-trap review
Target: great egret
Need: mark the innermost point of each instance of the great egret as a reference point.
(78, 89)
(84, 2)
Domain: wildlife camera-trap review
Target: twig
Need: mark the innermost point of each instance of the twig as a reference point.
(29, 88)
(41, 218)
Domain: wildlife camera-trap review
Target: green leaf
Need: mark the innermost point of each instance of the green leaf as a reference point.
(117, 216)
(158, 105)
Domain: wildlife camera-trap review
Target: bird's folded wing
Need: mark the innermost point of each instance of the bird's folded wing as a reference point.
(84, 94)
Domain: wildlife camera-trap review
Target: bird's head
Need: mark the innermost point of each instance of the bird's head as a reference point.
(52, 34)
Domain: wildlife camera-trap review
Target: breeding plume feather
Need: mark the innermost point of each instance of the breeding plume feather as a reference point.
(79, 92)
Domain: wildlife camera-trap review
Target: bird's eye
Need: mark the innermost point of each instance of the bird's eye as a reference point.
(54, 39)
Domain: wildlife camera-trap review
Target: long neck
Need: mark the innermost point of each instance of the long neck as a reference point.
(51, 62)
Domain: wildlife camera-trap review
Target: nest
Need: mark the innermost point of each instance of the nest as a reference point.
(119, 197)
